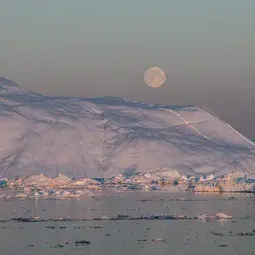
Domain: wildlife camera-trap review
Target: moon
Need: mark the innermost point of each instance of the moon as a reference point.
(155, 77)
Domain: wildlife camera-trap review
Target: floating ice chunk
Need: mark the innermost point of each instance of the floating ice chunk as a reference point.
(36, 194)
(251, 177)
(223, 216)
(210, 177)
(235, 175)
(180, 216)
(21, 195)
(61, 178)
(170, 173)
(201, 216)
(206, 188)
(159, 240)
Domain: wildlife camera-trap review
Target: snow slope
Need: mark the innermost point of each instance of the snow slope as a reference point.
(105, 136)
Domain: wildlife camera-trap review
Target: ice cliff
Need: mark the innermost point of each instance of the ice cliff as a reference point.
(100, 137)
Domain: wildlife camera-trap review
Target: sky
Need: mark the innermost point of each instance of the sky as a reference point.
(102, 48)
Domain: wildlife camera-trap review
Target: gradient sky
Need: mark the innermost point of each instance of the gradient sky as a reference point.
(102, 48)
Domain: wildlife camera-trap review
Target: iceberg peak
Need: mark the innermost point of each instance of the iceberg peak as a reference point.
(9, 86)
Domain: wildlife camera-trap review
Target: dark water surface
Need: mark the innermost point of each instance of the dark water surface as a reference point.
(130, 236)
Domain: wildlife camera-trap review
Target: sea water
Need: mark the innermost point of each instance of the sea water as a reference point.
(188, 236)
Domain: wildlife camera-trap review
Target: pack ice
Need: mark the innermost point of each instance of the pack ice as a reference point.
(102, 137)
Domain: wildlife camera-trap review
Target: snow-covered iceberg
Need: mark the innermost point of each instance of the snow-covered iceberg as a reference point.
(102, 137)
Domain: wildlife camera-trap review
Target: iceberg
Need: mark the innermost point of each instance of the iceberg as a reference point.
(105, 137)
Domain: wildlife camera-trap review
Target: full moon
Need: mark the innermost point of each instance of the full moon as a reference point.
(154, 77)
